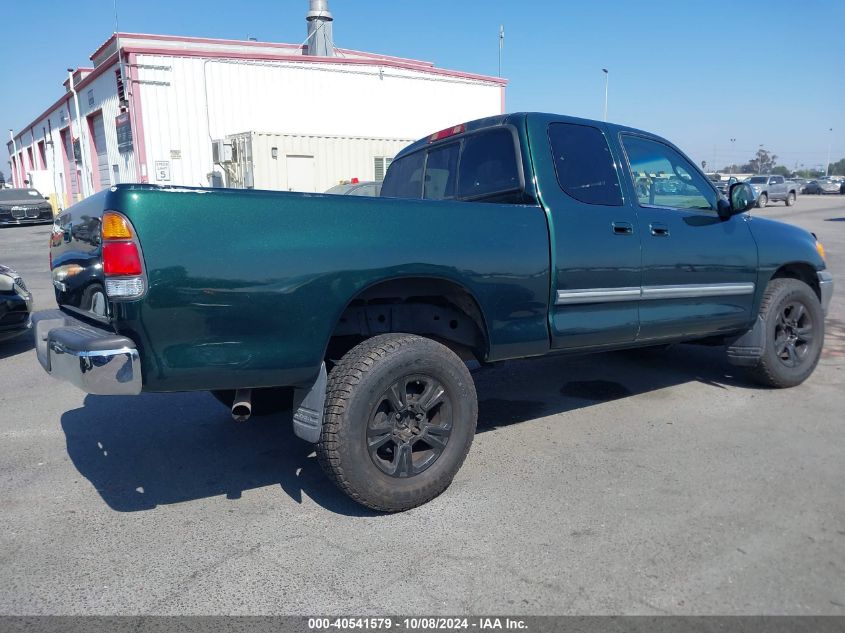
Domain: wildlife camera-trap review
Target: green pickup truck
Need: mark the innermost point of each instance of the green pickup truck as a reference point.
(509, 237)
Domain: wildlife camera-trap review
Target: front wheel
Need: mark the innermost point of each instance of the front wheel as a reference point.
(790, 199)
(762, 201)
(399, 419)
(793, 324)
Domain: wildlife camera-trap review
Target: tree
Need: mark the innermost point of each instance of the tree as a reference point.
(2, 179)
(780, 170)
(837, 168)
(762, 163)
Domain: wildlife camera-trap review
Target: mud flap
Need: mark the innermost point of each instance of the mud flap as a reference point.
(308, 408)
(746, 350)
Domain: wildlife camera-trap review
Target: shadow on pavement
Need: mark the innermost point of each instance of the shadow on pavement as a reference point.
(154, 449)
(17, 345)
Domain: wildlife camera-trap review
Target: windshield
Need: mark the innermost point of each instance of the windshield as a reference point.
(757, 180)
(19, 194)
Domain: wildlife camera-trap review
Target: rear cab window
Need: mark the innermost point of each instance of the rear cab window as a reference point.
(482, 165)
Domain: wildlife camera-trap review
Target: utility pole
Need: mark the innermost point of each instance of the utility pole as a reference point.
(733, 140)
(501, 46)
(829, 142)
(606, 81)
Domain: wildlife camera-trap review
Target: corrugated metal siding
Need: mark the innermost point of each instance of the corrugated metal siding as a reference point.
(187, 102)
(336, 158)
(105, 100)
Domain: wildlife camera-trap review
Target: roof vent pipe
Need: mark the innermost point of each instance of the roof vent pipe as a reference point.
(320, 42)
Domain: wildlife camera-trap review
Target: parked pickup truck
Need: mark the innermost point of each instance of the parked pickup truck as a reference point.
(773, 189)
(509, 237)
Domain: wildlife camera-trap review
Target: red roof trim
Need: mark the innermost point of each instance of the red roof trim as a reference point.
(248, 43)
(178, 52)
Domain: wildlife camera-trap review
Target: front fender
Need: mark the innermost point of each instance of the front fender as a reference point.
(778, 245)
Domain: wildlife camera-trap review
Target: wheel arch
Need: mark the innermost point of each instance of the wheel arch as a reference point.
(427, 305)
(802, 271)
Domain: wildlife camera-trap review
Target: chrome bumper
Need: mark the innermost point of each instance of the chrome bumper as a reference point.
(95, 360)
(825, 289)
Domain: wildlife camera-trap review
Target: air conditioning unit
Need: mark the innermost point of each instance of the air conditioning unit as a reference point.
(221, 151)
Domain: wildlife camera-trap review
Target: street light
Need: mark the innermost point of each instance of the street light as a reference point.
(829, 141)
(606, 80)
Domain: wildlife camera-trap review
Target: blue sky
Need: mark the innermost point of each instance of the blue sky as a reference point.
(699, 73)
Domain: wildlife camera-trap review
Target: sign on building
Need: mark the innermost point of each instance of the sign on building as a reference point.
(124, 132)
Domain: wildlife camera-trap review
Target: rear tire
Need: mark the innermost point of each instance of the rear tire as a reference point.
(790, 199)
(266, 401)
(793, 324)
(399, 419)
(762, 201)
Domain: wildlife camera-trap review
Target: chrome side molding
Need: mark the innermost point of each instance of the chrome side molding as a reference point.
(684, 291)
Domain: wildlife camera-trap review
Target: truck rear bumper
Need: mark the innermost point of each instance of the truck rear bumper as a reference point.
(92, 358)
(825, 289)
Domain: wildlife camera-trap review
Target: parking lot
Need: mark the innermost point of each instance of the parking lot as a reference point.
(616, 483)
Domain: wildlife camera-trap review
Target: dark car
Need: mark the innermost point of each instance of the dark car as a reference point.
(356, 188)
(24, 206)
(78, 278)
(15, 304)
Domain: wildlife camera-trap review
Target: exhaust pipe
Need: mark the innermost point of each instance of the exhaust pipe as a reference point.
(242, 405)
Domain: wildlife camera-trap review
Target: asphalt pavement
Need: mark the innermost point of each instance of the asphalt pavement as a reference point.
(628, 483)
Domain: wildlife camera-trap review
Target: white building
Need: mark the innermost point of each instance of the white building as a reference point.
(151, 106)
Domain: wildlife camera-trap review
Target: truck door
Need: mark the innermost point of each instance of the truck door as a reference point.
(699, 271)
(777, 187)
(595, 243)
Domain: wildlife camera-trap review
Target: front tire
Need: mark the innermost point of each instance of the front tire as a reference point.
(790, 199)
(399, 419)
(793, 334)
(762, 201)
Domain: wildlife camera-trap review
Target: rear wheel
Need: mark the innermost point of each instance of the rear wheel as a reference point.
(790, 199)
(793, 334)
(399, 419)
(763, 200)
(266, 401)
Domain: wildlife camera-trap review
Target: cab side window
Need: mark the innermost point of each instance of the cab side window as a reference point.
(583, 163)
(663, 177)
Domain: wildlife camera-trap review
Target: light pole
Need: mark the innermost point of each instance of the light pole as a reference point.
(606, 81)
(829, 141)
(733, 140)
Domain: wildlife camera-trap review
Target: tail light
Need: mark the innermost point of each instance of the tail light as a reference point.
(122, 263)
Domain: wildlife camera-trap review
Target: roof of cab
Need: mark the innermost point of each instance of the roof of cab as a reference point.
(517, 118)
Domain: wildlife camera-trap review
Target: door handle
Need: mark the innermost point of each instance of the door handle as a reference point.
(622, 228)
(659, 230)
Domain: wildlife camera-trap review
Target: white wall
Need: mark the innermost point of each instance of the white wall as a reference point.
(197, 100)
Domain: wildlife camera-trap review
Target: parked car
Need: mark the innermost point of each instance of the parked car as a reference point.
(773, 189)
(355, 187)
(823, 186)
(15, 304)
(724, 184)
(509, 237)
(24, 206)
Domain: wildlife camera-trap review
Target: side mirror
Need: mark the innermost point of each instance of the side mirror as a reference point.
(742, 198)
